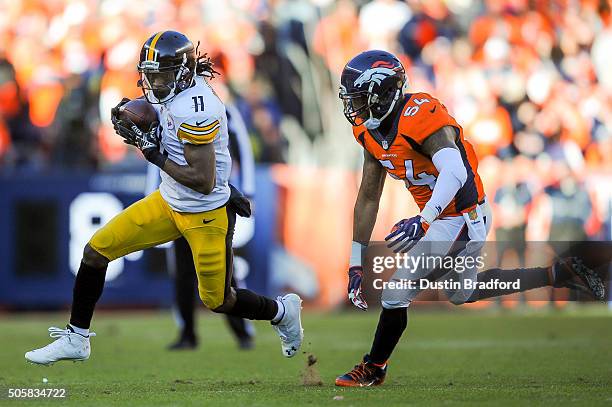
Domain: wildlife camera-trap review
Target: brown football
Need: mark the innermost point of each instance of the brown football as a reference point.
(140, 112)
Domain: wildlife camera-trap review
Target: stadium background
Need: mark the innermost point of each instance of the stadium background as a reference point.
(529, 81)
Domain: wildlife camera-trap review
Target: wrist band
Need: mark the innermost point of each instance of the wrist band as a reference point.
(356, 253)
(155, 157)
(429, 214)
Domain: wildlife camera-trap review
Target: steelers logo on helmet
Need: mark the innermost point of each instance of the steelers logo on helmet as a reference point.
(370, 86)
(167, 66)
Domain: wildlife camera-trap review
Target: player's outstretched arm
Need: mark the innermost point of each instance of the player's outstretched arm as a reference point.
(199, 173)
(368, 198)
(364, 218)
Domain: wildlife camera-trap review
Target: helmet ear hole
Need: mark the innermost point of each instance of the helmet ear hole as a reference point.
(182, 85)
(387, 97)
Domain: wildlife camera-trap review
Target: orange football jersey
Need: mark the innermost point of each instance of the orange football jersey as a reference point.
(401, 155)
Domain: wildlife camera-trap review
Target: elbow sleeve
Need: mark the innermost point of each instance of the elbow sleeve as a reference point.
(449, 160)
(452, 174)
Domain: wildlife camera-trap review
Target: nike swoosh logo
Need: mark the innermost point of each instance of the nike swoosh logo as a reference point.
(206, 221)
(200, 123)
(434, 109)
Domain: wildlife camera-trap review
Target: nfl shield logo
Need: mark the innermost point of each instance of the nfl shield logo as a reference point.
(170, 123)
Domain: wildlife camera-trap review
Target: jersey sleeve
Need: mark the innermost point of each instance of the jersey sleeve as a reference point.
(422, 116)
(199, 130)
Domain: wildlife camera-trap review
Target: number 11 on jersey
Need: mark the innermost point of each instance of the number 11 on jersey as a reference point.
(198, 103)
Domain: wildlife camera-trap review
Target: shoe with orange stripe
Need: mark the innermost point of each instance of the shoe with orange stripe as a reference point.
(364, 374)
(578, 276)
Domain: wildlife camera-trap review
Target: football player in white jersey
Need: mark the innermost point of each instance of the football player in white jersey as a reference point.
(179, 259)
(194, 200)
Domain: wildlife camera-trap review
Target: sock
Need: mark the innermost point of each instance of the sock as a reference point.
(88, 287)
(530, 278)
(391, 324)
(238, 325)
(253, 306)
(185, 283)
(77, 330)
(280, 313)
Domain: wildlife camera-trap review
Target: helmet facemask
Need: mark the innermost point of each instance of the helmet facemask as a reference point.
(161, 85)
(367, 107)
(356, 106)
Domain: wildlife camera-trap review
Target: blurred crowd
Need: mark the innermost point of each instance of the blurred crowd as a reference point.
(529, 80)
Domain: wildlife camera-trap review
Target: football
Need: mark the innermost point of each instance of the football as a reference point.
(140, 112)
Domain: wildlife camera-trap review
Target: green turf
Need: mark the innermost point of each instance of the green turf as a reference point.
(445, 358)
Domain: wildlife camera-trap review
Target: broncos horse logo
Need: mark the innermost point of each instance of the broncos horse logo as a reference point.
(376, 74)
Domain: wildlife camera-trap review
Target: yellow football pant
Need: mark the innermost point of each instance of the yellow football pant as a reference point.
(151, 221)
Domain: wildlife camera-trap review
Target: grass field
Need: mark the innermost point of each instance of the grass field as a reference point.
(445, 358)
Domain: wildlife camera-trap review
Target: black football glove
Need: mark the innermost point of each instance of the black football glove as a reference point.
(147, 141)
(239, 203)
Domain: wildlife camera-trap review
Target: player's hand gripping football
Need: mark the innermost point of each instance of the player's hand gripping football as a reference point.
(146, 141)
(406, 233)
(355, 293)
(131, 134)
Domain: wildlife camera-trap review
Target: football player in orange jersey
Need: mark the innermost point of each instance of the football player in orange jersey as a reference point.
(413, 138)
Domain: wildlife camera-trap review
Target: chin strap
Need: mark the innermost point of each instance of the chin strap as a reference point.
(373, 122)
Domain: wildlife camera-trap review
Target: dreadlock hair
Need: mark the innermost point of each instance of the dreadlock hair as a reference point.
(204, 65)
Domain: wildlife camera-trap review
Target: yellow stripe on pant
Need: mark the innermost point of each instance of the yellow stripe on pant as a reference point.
(150, 222)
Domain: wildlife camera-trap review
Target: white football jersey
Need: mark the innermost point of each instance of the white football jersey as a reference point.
(194, 116)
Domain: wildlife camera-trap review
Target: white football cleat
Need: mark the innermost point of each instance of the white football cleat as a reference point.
(68, 346)
(289, 328)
